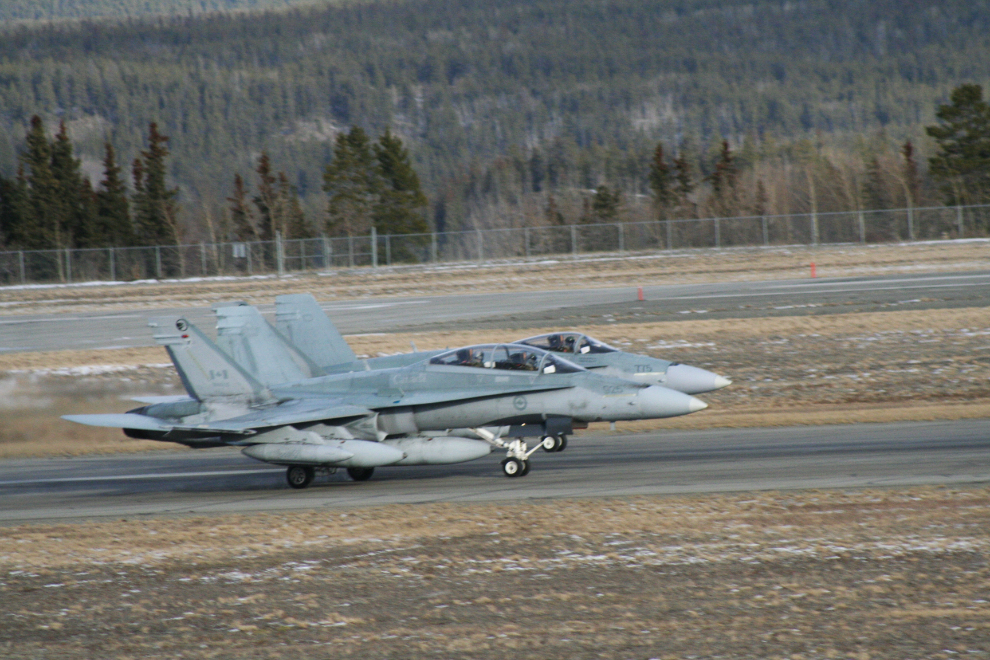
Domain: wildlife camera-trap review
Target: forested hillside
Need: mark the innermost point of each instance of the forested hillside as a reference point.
(54, 10)
(500, 103)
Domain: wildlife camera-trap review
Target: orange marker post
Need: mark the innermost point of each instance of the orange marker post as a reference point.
(639, 294)
(813, 269)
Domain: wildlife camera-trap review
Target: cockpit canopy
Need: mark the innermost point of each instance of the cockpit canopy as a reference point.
(569, 343)
(508, 357)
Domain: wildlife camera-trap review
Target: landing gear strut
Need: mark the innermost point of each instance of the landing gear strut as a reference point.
(516, 463)
(300, 476)
(360, 474)
(554, 443)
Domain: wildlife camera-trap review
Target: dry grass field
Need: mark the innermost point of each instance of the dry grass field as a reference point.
(863, 574)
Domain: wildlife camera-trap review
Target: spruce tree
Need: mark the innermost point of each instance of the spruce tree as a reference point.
(155, 209)
(661, 182)
(75, 203)
(242, 227)
(113, 212)
(352, 184)
(40, 224)
(266, 201)
(962, 164)
(290, 210)
(401, 200)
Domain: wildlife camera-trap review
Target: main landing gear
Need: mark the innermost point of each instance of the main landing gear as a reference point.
(554, 443)
(301, 476)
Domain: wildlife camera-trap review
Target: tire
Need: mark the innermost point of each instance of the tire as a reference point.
(550, 443)
(513, 467)
(562, 445)
(300, 476)
(525, 469)
(360, 474)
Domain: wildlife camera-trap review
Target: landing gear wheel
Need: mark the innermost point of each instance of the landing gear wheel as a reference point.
(549, 443)
(360, 474)
(562, 445)
(300, 476)
(513, 467)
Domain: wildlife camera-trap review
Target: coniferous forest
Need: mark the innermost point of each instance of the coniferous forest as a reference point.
(522, 112)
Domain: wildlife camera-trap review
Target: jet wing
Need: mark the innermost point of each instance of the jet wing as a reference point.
(297, 411)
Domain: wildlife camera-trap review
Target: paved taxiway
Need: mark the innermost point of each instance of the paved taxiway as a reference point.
(595, 465)
(537, 309)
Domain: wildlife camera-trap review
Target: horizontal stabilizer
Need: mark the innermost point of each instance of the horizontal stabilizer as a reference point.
(120, 421)
(175, 398)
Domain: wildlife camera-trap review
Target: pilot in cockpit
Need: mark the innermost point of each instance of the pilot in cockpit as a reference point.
(569, 345)
(467, 358)
(555, 344)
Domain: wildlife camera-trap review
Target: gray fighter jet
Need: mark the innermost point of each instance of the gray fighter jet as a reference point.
(362, 420)
(300, 319)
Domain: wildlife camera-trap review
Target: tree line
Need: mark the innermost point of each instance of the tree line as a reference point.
(50, 204)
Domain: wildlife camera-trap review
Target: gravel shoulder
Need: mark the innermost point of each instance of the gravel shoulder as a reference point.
(858, 574)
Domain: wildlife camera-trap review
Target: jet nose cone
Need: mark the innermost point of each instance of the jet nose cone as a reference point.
(697, 404)
(657, 401)
(692, 380)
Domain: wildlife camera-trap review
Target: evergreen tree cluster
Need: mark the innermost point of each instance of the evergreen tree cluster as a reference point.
(50, 205)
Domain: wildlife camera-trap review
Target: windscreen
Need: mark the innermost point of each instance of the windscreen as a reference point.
(568, 343)
(506, 357)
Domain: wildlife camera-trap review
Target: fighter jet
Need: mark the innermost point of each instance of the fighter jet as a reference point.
(362, 420)
(300, 319)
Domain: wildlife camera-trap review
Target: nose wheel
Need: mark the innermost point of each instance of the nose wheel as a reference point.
(515, 467)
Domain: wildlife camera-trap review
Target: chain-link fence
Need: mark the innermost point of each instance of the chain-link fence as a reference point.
(281, 256)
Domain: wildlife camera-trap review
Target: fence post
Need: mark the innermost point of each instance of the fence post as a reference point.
(326, 251)
(670, 236)
(374, 247)
(718, 234)
(388, 249)
(433, 246)
(862, 226)
(910, 224)
(481, 246)
(302, 254)
(350, 250)
(573, 240)
(202, 258)
(113, 265)
(279, 257)
(814, 226)
(959, 221)
(766, 231)
(526, 239)
(68, 265)
(249, 246)
(622, 237)
(158, 261)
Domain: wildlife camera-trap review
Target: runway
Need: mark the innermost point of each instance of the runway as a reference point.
(519, 311)
(223, 481)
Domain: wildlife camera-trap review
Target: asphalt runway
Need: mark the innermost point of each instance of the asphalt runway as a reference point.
(538, 309)
(595, 465)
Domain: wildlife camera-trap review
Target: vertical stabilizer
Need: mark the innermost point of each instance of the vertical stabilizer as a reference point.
(245, 335)
(206, 372)
(300, 319)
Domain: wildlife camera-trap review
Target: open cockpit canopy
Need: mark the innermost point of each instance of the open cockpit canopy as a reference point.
(508, 357)
(568, 343)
